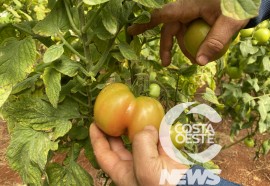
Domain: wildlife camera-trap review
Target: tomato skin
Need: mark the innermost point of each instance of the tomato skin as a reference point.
(110, 108)
(194, 36)
(177, 133)
(247, 32)
(154, 90)
(117, 111)
(145, 111)
(234, 72)
(262, 35)
(152, 76)
(249, 142)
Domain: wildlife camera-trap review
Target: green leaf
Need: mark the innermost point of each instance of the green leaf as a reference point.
(247, 97)
(53, 53)
(143, 18)
(6, 31)
(266, 63)
(56, 21)
(210, 96)
(71, 174)
(246, 48)
(67, 66)
(94, 2)
(262, 110)
(127, 51)
(36, 127)
(17, 59)
(240, 9)
(109, 22)
(90, 155)
(266, 146)
(28, 151)
(25, 84)
(4, 94)
(149, 3)
(254, 83)
(31, 111)
(59, 128)
(52, 82)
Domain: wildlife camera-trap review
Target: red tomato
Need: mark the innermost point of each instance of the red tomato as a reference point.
(116, 111)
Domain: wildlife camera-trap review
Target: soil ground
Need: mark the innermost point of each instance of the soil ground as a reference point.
(237, 163)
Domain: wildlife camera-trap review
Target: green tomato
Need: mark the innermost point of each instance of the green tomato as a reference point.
(247, 32)
(264, 24)
(152, 76)
(262, 35)
(234, 72)
(249, 142)
(154, 90)
(178, 135)
(194, 36)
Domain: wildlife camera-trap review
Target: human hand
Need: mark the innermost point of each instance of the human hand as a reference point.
(177, 15)
(141, 167)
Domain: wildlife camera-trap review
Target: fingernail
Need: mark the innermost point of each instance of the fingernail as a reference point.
(202, 60)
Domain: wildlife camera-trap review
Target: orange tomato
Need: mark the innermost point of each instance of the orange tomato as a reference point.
(117, 111)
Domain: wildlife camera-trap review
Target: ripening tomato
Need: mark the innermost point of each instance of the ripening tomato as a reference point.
(142, 112)
(110, 108)
(194, 36)
(117, 111)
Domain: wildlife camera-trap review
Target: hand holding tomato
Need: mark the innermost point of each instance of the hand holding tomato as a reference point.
(118, 112)
(177, 16)
(142, 167)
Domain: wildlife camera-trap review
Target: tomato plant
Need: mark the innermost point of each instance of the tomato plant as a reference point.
(116, 111)
(57, 56)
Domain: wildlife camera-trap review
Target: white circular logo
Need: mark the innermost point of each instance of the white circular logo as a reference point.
(165, 137)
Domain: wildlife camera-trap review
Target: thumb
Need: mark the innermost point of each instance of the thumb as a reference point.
(144, 146)
(218, 39)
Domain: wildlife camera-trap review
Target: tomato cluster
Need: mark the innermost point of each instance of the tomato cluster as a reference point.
(117, 111)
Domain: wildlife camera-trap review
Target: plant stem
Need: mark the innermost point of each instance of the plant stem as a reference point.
(84, 39)
(176, 90)
(104, 57)
(90, 21)
(74, 27)
(77, 100)
(71, 48)
(238, 141)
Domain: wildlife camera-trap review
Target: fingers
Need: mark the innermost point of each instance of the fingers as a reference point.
(171, 12)
(118, 147)
(168, 31)
(106, 158)
(145, 146)
(218, 39)
(180, 40)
